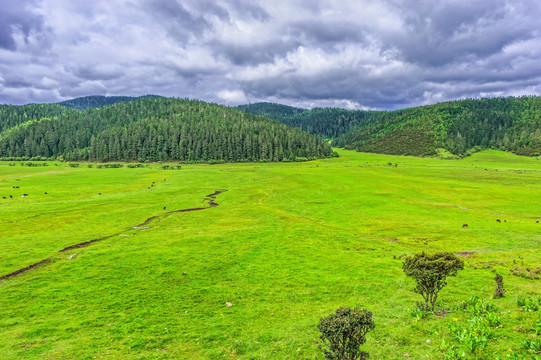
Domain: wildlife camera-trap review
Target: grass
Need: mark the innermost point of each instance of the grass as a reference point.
(288, 244)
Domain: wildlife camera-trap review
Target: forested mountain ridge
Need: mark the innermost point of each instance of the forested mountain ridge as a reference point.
(12, 115)
(156, 129)
(460, 127)
(510, 124)
(94, 101)
(327, 123)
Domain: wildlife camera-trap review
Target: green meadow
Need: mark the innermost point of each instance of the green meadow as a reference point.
(288, 244)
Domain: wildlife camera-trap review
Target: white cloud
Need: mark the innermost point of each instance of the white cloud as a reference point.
(232, 97)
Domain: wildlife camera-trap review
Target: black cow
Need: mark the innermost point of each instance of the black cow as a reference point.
(465, 226)
(498, 220)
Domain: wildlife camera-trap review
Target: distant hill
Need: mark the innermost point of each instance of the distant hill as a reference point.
(461, 127)
(95, 101)
(327, 123)
(270, 110)
(152, 129)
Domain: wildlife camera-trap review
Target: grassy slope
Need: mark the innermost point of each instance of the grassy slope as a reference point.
(288, 244)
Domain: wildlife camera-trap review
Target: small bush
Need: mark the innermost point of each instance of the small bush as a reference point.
(73, 165)
(430, 273)
(527, 273)
(344, 332)
(500, 290)
(113, 166)
(529, 304)
(109, 166)
(418, 313)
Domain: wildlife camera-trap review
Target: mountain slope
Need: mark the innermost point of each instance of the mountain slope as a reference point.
(511, 124)
(12, 115)
(325, 122)
(159, 129)
(95, 101)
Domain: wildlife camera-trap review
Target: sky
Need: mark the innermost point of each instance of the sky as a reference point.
(385, 54)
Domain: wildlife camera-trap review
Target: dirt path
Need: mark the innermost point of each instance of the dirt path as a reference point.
(210, 199)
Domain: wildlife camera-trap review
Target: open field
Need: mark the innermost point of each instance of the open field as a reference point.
(288, 244)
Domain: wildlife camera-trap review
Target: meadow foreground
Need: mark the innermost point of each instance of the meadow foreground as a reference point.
(289, 243)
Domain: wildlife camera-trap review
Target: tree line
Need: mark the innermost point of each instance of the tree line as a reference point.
(154, 129)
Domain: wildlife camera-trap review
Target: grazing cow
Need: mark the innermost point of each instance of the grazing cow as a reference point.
(498, 220)
(165, 207)
(99, 193)
(537, 222)
(45, 192)
(24, 195)
(11, 196)
(504, 220)
(15, 187)
(465, 226)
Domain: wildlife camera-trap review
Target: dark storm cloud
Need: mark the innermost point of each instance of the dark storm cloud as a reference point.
(373, 53)
(17, 16)
(88, 72)
(312, 32)
(248, 9)
(439, 33)
(180, 23)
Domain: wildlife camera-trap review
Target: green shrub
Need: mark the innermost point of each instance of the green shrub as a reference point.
(430, 272)
(343, 332)
(527, 273)
(529, 304)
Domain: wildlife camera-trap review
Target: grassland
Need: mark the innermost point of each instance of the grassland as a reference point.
(289, 243)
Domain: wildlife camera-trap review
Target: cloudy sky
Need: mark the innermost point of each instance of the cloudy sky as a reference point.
(382, 54)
